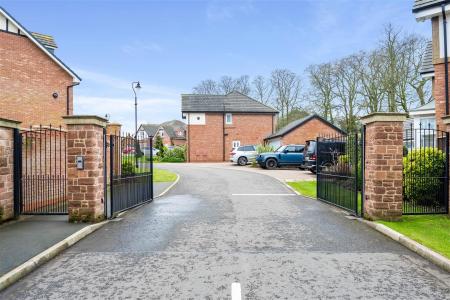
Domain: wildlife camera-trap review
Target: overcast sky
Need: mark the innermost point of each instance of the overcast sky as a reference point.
(172, 45)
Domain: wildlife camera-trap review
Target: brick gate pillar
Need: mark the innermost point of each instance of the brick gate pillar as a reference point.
(446, 122)
(383, 178)
(85, 184)
(7, 187)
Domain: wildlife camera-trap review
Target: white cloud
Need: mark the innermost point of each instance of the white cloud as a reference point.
(222, 10)
(150, 110)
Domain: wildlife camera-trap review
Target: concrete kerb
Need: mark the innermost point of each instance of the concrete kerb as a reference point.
(412, 245)
(46, 255)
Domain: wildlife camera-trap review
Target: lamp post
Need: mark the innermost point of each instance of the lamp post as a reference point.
(135, 85)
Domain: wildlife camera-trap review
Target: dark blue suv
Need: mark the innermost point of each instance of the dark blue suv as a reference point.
(289, 155)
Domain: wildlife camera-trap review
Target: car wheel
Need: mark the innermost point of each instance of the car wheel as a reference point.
(242, 161)
(271, 163)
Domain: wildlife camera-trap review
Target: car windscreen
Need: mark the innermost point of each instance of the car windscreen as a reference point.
(280, 149)
(241, 149)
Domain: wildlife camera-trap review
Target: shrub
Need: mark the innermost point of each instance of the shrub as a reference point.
(128, 168)
(428, 163)
(160, 146)
(264, 148)
(177, 154)
(172, 159)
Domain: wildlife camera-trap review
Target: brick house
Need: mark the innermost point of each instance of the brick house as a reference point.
(36, 86)
(217, 123)
(173, 133)
(433, 63)
(302, 130)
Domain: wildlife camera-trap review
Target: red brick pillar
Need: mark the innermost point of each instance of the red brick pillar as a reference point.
(113, 129)
(7, 168)
(85, 187)
(383, 166)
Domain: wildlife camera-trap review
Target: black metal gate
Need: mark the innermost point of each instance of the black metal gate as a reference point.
(425, 171)
(130, 171)
(339, 171)
(41, 171)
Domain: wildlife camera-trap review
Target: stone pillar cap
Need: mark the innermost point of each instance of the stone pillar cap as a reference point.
(113, 124)
(9, 123)
(383, 117)
(85, 120)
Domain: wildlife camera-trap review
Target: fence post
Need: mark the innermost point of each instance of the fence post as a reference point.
(9, 171)
(383, 170)
(85, 182)
(446, 121)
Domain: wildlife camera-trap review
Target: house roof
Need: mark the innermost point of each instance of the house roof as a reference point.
(45, 39)
(425, 4)
(39, 44)
(170, 127)
(150, 129)
(297, 123)
(231, 102)
(427, 66)
(429, 106)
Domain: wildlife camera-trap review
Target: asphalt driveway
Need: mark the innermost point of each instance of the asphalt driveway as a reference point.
(220, 226)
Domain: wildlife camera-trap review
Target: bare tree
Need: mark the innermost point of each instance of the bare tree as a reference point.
(321, 80)
(206, 87)
(346, 85)
(226, 84)
(287, 87)
(262, 89)
(370, 68)
(242, 85)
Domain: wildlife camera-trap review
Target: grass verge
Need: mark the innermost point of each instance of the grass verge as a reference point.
(305, 187)
(160, 175)
(432, 231)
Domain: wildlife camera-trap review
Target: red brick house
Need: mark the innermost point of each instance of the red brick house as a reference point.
(36, 86)
(217, 123)
(173, 133)
(302, 130)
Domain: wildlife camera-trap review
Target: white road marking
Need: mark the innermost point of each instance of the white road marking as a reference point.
(263, 194)
(236, 291)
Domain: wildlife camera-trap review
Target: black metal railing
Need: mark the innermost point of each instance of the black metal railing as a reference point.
(425, 170)
(339, 171)
(130, 174)
(43, 170)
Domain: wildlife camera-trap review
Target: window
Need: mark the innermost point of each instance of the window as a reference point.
(249, 148)
(299, 149)
(236, 144)
(228, 118)
(161, 132)
(290, 149)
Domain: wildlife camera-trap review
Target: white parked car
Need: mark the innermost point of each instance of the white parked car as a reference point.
(243, 155)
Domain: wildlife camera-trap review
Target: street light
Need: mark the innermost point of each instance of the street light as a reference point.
(135, 85)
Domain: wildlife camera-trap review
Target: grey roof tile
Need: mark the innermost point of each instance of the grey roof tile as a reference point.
(294, 124)
(45, 39)
(232, 102)
(424, 4)
(427, 60)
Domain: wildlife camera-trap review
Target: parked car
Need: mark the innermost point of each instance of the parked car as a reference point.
(146, 151)
(289, 155)
(243, 155)
(310, 157)
(329, 153)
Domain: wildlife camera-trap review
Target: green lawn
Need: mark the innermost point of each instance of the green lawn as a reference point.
(160, 175)
(305, 188)
(432, 231)
(309, 189)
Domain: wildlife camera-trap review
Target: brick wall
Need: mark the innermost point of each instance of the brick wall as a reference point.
(6, 174)
(383, 170)
(85, 192)
(206, 141)
(308, 131)
(28, 78)
(439, 94)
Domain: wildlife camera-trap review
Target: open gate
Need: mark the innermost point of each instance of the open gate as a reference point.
(129, 176)
(41, 171)
(339, 171)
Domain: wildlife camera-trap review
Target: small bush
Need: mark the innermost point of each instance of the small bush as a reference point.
(128, 168)
(428, 163)
(172, 159)
(264, 148)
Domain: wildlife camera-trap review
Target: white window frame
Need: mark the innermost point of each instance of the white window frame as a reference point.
(231, 118)
(236, 144)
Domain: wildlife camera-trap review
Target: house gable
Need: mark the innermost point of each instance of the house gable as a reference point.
(43, 42)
